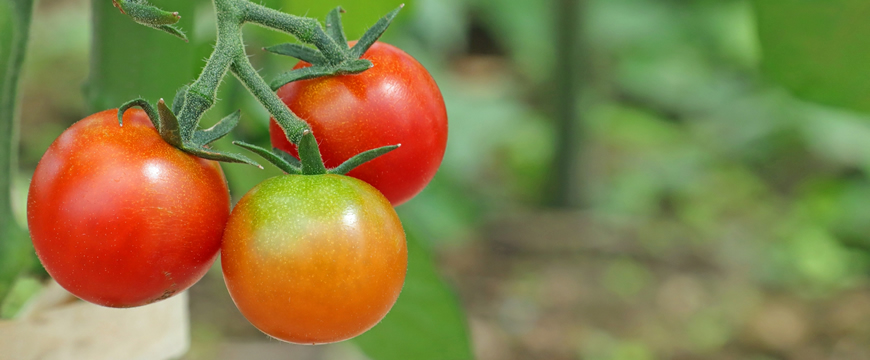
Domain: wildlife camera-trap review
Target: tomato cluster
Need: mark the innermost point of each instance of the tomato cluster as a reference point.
(121, 218)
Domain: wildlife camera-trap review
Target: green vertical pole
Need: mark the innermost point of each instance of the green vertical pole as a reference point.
(568, 184)
(15, 253)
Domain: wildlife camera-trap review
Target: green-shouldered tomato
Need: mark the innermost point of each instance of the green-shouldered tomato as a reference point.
(314, 258)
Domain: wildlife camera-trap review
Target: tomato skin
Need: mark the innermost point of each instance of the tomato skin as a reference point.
(119, 217)
(314, 259)
(395, 102)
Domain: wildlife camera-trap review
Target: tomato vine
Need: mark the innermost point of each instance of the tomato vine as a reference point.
(332, 56)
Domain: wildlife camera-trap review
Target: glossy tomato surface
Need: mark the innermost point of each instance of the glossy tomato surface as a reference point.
(119, 217)
(314, 259)
(395, 102)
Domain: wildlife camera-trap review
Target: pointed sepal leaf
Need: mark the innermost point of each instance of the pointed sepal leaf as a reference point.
(361, 158)
(219, 130)
(348, 67)
(298, 51)
(373, 34)
(169, 128)
(172, 30)
(211, 154)
(287, 157)
(178, 100)
(300, 74)
(271, 157)
(355, 66)
(334, 28)
(142, 103)
(309, 155)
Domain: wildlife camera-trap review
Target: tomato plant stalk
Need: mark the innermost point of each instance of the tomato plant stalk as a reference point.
(179, 125)
(15, 254)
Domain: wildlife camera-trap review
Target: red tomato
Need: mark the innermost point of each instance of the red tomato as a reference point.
(314, 259)
(395, 102)
(119, 217)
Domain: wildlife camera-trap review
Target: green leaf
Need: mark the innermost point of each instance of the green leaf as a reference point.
(819, 50)
(426, 323)
(24, 288)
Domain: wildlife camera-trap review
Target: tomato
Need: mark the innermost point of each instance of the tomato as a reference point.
(314, 259)
(395, 102)
(119, 217)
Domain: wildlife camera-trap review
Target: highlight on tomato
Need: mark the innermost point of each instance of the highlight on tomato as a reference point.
(119, 217)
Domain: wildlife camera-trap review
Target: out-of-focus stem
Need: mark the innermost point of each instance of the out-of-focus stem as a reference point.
(21, 15)
(568, 183)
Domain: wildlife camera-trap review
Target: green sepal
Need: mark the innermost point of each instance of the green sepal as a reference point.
(178, 100)
(309, 155)
(146, 14)
(348, 67)
(219, 130)
(287, 157)
(142, 103)
(172, 30)
(271, 157)
(169, 128)
(212, 154)
(373, 34)
(334, 28)
(298, 51)
(305, 73)
(321, 66)
(361, 158)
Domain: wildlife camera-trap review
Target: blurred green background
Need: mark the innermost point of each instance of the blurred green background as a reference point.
(624, 179)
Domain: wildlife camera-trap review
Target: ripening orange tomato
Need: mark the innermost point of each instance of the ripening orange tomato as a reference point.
(314, 259)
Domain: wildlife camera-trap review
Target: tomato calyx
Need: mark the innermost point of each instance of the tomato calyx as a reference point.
(346, 61)
(311, 162)
(196, 142)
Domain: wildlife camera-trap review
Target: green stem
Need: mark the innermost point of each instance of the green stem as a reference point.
(568, 183)
(12, 236)
(229, 54)
(292, 124)
(202, 93)
(22, 11)
(306, 30)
